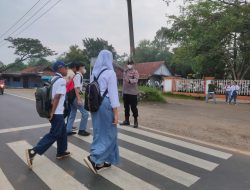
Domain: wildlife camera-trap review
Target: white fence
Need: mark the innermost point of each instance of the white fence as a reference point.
(190, 85)
(243, 84)
(198, 86)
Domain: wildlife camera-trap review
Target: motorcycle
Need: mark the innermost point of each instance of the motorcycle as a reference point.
(2, 87)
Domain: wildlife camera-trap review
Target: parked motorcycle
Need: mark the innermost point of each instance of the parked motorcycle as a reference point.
(2, 85)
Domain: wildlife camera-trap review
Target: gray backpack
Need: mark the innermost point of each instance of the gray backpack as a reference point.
(43, 97)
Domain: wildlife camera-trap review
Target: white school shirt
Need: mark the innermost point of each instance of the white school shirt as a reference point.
(108, 80)
(78, 80)
(59, 87)
(228, 88)
(233, 88)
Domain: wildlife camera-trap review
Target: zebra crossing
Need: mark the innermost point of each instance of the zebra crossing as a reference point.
(55, 177)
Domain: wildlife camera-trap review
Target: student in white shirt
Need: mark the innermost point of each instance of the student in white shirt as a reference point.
(58, 129)
(234, 90)
(78, 104)
(227, 90)
(104, 148)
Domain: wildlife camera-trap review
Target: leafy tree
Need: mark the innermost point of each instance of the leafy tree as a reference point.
(214, 36)
(38, 62)
(149, 51)
(27, 48)
(16, 66)
(78, 55)
(92, 47)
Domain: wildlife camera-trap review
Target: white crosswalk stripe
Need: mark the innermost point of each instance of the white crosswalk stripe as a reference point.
(170, 153)
(117, 176)
(47, 170)
(172, 173)
(4, 182)
(181, 143)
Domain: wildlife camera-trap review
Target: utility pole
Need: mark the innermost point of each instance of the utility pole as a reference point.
(131, 29)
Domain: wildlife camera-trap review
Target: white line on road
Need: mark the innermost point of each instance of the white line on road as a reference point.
(117, 176)
(47, 170)
(4, 182)
(165, 170)
(207, 165)
(32, 99)
(29, 127)
(174, 135)
(181, 143)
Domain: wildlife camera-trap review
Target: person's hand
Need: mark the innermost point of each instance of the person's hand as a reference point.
(51, 116)
(115, 122)
(79, 102)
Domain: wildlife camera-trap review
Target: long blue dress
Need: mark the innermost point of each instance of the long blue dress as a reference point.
(105, 144)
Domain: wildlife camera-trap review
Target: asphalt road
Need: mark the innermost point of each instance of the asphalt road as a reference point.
(148, 160)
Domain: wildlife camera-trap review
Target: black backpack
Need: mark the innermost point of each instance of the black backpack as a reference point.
(93, 98)
(43, 97)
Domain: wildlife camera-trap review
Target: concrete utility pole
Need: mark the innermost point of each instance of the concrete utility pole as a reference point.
(131, 29)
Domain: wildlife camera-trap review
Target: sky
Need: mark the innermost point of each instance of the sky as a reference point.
(70, 21)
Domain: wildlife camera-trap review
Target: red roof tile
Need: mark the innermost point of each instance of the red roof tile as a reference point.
(45, 70)
(145, 70)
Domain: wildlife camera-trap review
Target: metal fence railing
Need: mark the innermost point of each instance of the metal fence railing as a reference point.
(198, 86)
(243, 84)
(190, 85)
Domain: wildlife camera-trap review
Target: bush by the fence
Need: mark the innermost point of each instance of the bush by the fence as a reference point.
(148, 94)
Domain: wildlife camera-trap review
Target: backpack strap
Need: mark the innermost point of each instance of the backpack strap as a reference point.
(52, 83)
(106, 91)
(99, 74)
(80, 76)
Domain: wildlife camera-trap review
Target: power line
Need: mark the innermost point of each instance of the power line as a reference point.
(19, 19)
(35, 20)
(47, 2)
(39, 17)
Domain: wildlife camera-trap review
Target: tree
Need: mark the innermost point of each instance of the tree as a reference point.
(215, 36)
(38, 61)
(78, 55)
(16, 66)
(149, 51)
(92, 47)
(27, 48)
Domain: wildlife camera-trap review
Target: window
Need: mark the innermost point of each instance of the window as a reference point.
(16, 79)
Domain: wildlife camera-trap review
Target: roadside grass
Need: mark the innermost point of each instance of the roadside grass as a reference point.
(148, 94)
(183, 96)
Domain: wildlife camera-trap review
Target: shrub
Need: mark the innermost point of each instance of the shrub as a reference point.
(148, 94)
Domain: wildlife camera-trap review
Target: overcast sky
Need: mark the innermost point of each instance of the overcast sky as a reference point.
(72, 20)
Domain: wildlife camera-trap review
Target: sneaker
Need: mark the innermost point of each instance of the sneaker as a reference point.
(104, 166)
(125, 123)
(91, 165)
(83, 133)
(30, 154)
(71, 133)
(63, 155)
(74, 128)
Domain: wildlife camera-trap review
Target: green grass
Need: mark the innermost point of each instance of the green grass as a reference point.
(183, 96)
(151, 95)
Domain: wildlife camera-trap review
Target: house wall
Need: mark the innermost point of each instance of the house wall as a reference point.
(13, 83)
(163, 71)
(33, 82)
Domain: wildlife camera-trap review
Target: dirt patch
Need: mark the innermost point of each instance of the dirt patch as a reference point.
(220, 123)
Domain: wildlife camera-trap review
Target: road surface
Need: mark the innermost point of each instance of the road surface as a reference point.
(148, 160)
